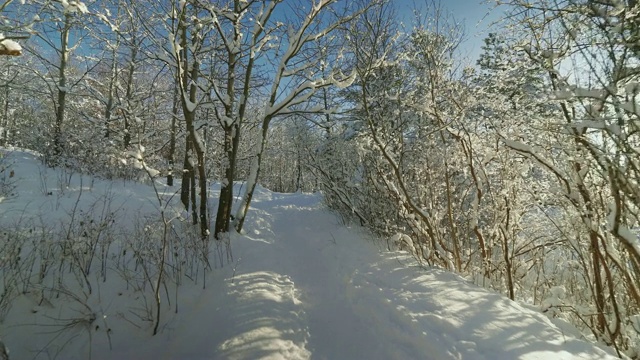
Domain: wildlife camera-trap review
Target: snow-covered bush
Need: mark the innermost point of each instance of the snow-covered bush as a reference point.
(68, 273)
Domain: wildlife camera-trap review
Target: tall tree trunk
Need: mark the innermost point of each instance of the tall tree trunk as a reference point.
(187, 173)
(126, 141)
(194, 209)
(252, 181)
(62, 87)
(111, 95)
(172, 141)
(299, 169)
(594, 250)
(506, 250)
(231, 141)
(223, 216)
(189, 83)
(198, 148)
(5, 124)
(202, 177)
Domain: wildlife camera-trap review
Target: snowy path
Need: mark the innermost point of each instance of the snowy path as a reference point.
(306, 287)
(302, 286)
(323, 280)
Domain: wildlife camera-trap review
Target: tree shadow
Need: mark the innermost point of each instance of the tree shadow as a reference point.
(263, 318)
(431, 312)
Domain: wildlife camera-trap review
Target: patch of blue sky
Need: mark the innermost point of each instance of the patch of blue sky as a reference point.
(477, 18)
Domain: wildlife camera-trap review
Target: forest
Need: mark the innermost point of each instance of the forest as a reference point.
(519, 171)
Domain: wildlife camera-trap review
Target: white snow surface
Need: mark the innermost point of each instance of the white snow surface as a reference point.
(301, 286)
(10, 45)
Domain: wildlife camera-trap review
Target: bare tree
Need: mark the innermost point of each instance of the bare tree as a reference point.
(596, 123)
(56, 35)
(297, 77)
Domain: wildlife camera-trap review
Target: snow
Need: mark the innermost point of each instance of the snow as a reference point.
(346, 80)
(191, 106)
(629, 106)
(632, 88)
(10, 46)
(301, 286)
(74, 6)
(630, 237)
(614, 129)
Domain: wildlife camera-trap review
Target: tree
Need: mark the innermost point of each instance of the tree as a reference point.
(286, 158)
(296, 80)
(405, 102)
(56, 23)
(595, 163)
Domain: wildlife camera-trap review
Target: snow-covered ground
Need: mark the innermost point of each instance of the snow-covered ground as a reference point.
(301, 286)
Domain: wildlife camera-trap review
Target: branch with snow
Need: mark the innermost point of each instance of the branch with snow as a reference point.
(9, 47)
(74, 6)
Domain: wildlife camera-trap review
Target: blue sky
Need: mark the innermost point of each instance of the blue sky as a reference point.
(476, 15)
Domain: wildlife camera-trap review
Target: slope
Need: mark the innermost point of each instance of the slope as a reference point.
(301, 285)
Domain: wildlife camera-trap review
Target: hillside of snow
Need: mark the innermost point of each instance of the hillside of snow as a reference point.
(300, 285)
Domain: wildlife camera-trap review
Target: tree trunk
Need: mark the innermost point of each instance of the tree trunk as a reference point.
(252, 181)
(194, 209)
(112, 83)
(62, 88)
(198, 148)
(597, 276)
(5, 125)
(231, 140)
(299, 170)
(189, 81)
(223, 216)
(172, 141)
(202, 177)
(187, 173)
(594, 250)
(126, 141)
(506, 251)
